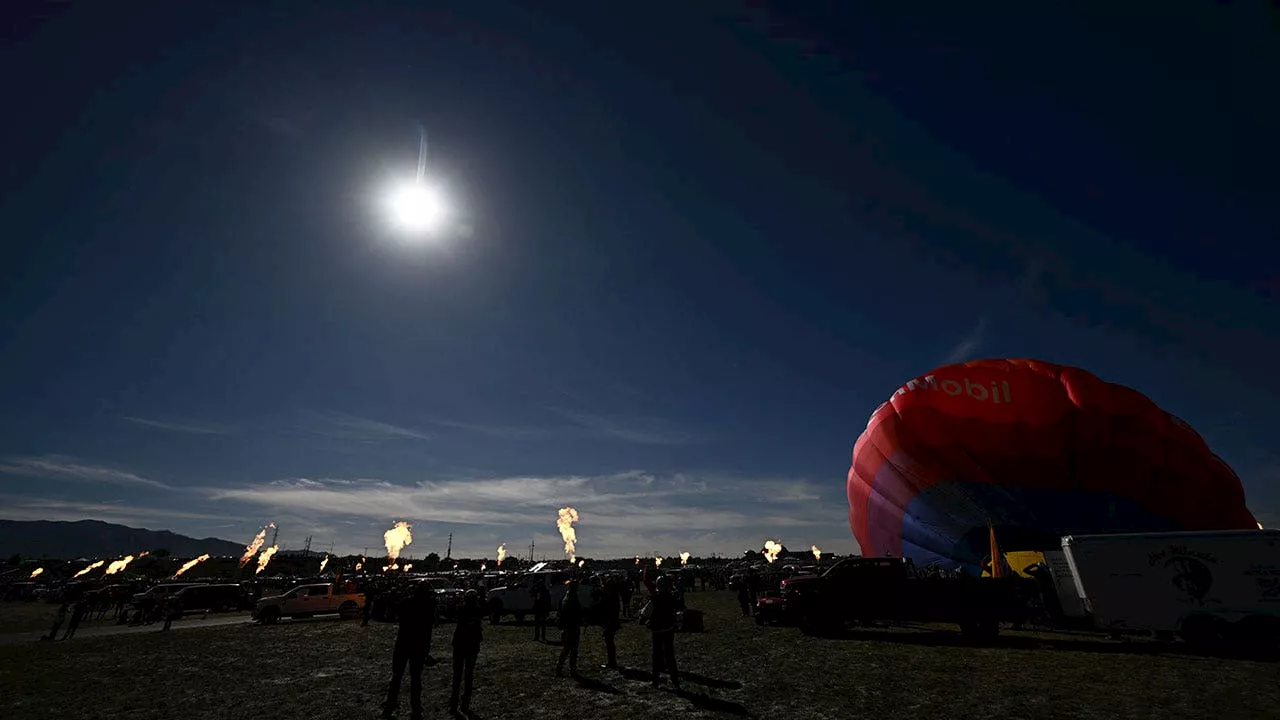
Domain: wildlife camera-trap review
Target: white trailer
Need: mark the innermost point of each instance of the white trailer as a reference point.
(1203, 586)
(1064, 585)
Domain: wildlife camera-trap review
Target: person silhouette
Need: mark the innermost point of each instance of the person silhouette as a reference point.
(662, 625)
(416, 614)
(609, 613)
(541, 608)
(570, 621)
(466, 648)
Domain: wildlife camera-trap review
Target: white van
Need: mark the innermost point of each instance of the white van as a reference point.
(516, 597)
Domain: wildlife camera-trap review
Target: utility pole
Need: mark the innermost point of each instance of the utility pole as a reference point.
(306, 548)
(448, 553)
(530, 549)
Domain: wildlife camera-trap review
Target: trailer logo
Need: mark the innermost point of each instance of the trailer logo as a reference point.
(1188, 570)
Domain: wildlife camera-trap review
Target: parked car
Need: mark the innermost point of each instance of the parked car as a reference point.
(159, 592)
(516, 598)
(448, 597)
(212, 598)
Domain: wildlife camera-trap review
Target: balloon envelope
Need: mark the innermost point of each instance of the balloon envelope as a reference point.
(1037, 450)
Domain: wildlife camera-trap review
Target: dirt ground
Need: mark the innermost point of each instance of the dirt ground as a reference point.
(327, 669)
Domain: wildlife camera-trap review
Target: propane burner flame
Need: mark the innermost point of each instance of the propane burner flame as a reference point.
(564, 523)
(771, 550)
(256, 544)
(190, 564)
(396, 539)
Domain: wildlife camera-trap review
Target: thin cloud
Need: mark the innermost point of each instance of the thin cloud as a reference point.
(19, 507)
(581, 425)
(63, 468)
(642, 431)
(500, 431)
(178, 427)
(349, 427)
(970, 344)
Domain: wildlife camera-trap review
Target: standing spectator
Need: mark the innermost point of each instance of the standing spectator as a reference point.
(77, 614)
(466, 648)
(609, 609)
(541, 608)
(416, 613)
(570, 621)
(662, 624)
(626, 588)
(370, 594)
(172, 609)
(58, 619)
(744, 594)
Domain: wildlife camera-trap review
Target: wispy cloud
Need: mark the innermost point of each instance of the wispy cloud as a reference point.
(970, 344)
(639, 430)
(349, 427)
(494, 430)
(19, 507)
(63, 468)
(179, 427)
(583, 425)
(622, 513)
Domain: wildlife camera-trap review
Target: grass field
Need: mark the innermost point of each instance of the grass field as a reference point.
(24, 616)
(324, 669)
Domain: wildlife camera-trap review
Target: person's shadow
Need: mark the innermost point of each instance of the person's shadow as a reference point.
(706, 702)
(699, 700)
(686, 676)
(590, 683)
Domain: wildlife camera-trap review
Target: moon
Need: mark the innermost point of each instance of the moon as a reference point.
(416, 208)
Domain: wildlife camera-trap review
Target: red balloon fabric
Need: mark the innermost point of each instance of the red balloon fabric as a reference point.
(1038, 451)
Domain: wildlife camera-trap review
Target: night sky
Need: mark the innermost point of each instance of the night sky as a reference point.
(696, 245)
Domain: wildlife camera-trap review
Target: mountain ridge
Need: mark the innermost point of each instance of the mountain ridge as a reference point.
(96, 538)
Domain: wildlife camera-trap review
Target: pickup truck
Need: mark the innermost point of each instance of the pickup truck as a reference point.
(781, 608)
(868, 590)
(308, 600)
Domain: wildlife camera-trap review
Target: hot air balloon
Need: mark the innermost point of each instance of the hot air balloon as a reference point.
(1034, 451)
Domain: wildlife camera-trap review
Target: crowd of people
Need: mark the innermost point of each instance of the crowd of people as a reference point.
(614, 596)
(166, 610)
(416, 612)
